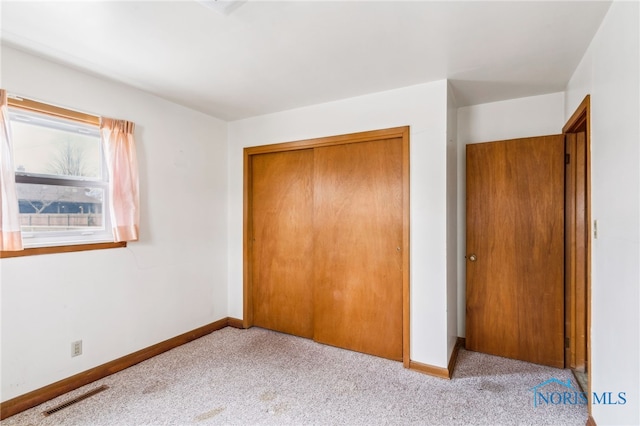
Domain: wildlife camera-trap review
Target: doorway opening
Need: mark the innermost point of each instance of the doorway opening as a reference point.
(573, 266)
(578, 244)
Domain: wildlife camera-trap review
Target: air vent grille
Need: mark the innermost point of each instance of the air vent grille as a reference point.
(74, 400)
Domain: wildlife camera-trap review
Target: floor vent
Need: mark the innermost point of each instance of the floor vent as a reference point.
(74, 400)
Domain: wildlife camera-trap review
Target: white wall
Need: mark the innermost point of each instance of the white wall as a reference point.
(120, 300)
(516, 118)
(452, 221)
(609, 71)
(424, 108)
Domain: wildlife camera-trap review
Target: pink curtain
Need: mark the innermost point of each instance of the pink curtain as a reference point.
(120, 152)
(10, 236)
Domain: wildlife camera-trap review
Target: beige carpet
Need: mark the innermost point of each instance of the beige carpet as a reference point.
(255, 376)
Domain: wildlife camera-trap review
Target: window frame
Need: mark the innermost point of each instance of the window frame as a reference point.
(29, 105)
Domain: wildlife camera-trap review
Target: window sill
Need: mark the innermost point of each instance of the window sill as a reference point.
(60, 249)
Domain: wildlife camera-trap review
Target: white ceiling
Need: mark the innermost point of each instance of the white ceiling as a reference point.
(271, 56)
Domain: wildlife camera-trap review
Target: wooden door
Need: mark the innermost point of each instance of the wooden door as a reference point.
(282, 249)
(358, 215)
(326, 249)
(576, 242)
(515, 249)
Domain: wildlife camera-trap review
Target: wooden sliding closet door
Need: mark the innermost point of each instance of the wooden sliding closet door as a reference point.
(358, 214)
(282, 246)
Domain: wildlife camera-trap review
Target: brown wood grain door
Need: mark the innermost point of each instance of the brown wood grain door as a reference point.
(282, 249)
(515, 249)
(358, 215)
(576, 242)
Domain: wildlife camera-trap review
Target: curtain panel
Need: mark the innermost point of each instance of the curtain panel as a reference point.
(122, 164)
(10, 236)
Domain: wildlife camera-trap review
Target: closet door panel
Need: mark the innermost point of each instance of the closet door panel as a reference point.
(357, 247)
(282, 241)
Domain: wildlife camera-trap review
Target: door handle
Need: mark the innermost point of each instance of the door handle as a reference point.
(473, 257)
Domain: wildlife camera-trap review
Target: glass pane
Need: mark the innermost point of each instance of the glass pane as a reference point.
(48, 145)
(53, 208)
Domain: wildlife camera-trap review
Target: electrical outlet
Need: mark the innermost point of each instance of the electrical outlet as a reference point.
(76, 348)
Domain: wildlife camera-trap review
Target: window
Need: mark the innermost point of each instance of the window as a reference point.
(61, 178)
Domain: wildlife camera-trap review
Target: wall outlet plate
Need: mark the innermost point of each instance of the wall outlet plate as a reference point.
(76, 348)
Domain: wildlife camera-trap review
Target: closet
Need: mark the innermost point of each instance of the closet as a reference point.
(326, 240)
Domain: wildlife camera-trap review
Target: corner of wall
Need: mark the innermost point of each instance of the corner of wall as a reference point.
(452, 221)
